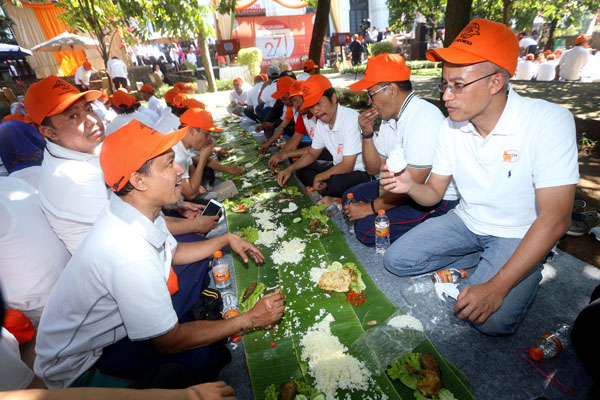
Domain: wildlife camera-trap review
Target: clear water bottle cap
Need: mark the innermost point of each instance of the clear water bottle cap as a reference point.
(217, 254)
(381, 212)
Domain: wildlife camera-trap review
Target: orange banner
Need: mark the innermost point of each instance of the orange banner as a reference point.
(47, 16)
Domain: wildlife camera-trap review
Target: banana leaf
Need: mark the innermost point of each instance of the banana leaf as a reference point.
(274, 355)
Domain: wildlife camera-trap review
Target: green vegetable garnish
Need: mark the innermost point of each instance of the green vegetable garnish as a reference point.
(272, 392)
(397, 369)
(296, 220)
(251, 301)
(316, 212)
(249, 233)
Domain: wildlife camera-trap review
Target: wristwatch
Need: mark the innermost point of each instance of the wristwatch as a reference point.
(369, 136)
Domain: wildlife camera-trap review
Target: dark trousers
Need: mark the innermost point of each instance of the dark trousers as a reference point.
(250, 114)
(584, 336)
(120, 82)
(261, 111)
(402, 218)
(337, 184)
(133, 359)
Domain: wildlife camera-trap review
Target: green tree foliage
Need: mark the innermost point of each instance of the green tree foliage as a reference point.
(5, 27)
(403, 12)
(381, 47)
(251, 57)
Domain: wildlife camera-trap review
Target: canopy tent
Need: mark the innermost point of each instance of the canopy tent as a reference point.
(68, 42)
(12, 51)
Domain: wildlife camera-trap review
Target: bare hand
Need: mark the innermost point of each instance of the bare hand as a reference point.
(275, 160)
(211, 391)
(396, 183)
(235, 170)
(206, 223)
(366, 120)
(241, 247)
(359, 210)
(318, 184)
(264, 147)
(268, 310)
(189, 210)
(283, 176)
(476, 303)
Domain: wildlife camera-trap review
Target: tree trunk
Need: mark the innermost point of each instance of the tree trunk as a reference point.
(550, 42)
(321, 21)
(458, 15)
(207, 64)
(506, 5)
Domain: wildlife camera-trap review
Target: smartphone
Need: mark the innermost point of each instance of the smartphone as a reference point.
(213, 208)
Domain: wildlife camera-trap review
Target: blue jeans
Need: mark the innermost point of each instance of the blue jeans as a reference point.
(445, 242)
(402, 218)
(261, 111)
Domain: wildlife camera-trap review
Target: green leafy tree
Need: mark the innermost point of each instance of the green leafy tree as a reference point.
(5, 30)
(404, 12)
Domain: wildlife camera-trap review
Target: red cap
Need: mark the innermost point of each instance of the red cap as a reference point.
(480, 41)
(123, 100)
(383, 68)
(536, 353)
(309, 65)
(147, 89)
(313, 89)
(87, 65)
(198, 118)
(530, 57)
(283, 87)
(52, 96)
(582, 38)
(127, 149)
(296, 88)
(238, 81)
(19, 325)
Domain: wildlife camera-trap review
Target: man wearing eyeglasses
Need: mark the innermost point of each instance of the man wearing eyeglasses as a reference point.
(410, 125)
(514, 161)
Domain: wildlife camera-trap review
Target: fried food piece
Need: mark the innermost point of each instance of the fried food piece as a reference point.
(249, 291)
(431, 384)
(337, 281)
(287, 391)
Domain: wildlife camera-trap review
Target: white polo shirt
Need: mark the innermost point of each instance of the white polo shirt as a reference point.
(14, 374)
(571, 62)
(116, 68)
(31, 255)
(238, 98)
(72, 192)
(155, 105)
(526, 70)
(149, 113)
(343, 140)
(546, 71)
(123, 119)
(267, 93)
(82, 76)
(183, 158)
(168, 122)
(416, 131)
(310, 124)
(252, 94)
(114, 286)
(531, 147)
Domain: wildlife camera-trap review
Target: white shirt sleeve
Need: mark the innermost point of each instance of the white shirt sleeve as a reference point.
(317, 140)
(442, 164)
(352, 141)
(182, 160)
(420, 138)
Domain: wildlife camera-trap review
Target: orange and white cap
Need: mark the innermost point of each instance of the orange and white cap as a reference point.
(481, 40)
(296, 88)
(198, 118)
(383, 68)
(313, 89)
(283, 87)
(147, 89)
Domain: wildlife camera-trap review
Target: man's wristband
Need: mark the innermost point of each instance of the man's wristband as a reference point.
(373, 204)
(367, 136)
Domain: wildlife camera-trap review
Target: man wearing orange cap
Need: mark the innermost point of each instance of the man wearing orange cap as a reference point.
(72, 190)
(265, 99)
(514, 161)
(571, 62)
(126, 106)
(82, 76)
(526, 68)
(283, 104)
(237, 98)
(337, 130)
(113, 310)
(547, 69)
(309, 68)
(409, 125)
(147, 93)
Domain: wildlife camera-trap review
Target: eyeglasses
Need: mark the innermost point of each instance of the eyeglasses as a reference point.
(458, 87)
(371, 95)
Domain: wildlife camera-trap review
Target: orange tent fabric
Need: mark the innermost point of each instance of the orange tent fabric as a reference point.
(47, 16)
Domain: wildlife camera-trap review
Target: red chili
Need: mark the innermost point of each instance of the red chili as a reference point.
(273, 344)
(356, 298)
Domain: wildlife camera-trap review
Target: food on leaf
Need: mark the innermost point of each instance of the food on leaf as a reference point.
(296, 220)
(249, 233)
(247, 302)
(337, 281)
(288, 390)
(421, 372)
(249, 291)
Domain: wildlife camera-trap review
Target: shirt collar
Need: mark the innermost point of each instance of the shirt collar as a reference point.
(153, 232)
(59, 151)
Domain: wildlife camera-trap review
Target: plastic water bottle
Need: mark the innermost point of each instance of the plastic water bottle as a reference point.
(382, 232)
(280, 141)
(220, 271)
(550, 344)
(314, 194)
(449, 275)
(334, 208)
(230, 310)
(350, 224)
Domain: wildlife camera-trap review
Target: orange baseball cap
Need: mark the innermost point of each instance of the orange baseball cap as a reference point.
(147, 89)
(480, 41)
(13, 117)
(128, 148)
(309, 65)
(582, 38)
(123, 100)
(547, 52)
(530, 56)
(170, 95)
(383, 68)
(87, 65)
(313, 90)
(198, 118)
(184, 86)
(283, 87)
(238, 81)
(192, 103)
(19, 325)
(264, 77)
(558, 52)
(296, 88)
(51, 96)
(179, 98)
